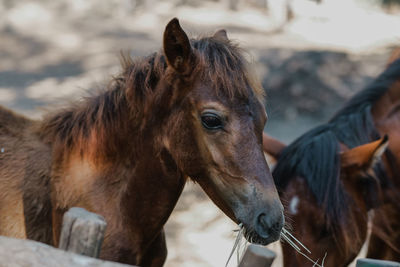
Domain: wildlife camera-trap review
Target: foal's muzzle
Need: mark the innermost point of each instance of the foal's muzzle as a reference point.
(267, 225)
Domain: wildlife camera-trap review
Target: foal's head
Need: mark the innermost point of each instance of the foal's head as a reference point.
(213, 132)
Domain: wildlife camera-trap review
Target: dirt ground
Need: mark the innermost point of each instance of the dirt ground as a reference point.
(52, 52)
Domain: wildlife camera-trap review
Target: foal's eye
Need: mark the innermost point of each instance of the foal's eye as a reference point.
(211, 121)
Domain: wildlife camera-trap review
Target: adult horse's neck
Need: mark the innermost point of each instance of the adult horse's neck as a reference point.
(386, 116)
(386, 109)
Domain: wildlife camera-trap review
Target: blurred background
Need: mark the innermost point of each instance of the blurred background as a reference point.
(310, 56)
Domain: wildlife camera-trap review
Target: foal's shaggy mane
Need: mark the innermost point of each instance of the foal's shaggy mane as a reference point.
(219, 63)
(315, 155)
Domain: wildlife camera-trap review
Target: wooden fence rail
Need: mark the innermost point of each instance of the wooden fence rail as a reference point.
(21, 253)
(82, 233)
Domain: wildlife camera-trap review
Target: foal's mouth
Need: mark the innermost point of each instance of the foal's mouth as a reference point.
(252, 236)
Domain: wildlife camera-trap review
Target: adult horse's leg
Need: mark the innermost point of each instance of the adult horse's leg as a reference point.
(156, 253)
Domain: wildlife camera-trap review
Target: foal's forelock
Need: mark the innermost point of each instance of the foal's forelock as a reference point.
(223, 63)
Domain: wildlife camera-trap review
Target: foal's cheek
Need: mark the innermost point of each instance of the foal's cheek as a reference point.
(185, 152)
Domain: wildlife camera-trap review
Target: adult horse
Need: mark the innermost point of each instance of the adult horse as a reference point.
(334, 174)
(192, 110)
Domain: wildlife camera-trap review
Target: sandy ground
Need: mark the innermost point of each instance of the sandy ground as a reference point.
(52, 52)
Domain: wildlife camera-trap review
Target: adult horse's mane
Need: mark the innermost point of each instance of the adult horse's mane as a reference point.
(136, 90)
(315, 155)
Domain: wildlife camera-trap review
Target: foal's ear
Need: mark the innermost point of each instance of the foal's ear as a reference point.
(177, 49)
(221, 35)
(364, 156)
(272, 146)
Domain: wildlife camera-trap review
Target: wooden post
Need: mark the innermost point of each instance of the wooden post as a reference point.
(257, 256)
(376, 263)
(82, 232)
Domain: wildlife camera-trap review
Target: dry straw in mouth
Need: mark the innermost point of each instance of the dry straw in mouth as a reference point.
(237, 244)
(297, 245)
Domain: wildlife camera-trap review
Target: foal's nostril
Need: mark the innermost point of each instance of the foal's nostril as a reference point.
(269, 225)
(264, 225)
(262, 220)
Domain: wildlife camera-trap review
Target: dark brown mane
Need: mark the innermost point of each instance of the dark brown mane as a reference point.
(220, 62)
